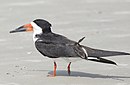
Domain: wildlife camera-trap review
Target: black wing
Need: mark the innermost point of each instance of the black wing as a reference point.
(58, 46)
(98, 54)
(102, 53)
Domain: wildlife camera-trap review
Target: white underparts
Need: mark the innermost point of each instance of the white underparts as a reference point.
(37, 30)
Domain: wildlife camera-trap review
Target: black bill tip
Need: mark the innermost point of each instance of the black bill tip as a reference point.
(20, 29)
(13, 31)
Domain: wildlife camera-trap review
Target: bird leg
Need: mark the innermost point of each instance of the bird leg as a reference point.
(55, 66)
(54, 71)
(69, 68)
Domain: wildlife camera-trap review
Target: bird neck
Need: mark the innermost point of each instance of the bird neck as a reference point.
(38, 31)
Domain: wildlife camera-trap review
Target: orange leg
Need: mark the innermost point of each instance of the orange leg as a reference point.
(54, 71)
(55, 66)
(69, 68)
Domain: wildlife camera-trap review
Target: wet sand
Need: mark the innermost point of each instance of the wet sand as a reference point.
(104, 23)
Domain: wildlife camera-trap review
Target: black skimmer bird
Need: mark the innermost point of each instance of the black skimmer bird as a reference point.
(54, 45)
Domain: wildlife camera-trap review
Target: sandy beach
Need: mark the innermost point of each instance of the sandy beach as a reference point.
(104, 23)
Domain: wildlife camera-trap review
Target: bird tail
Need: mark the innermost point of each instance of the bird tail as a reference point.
(97, 54)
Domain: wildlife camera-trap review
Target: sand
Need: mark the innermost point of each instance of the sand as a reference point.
(104, 23)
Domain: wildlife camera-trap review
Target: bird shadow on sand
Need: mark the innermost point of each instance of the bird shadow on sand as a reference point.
(89, 75)
(84, 74)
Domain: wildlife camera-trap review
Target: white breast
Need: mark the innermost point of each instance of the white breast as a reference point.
(37, 30)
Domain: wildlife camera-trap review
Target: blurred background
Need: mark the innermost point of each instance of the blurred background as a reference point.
(104, 23)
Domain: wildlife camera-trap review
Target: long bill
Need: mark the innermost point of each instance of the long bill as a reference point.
(27, 27)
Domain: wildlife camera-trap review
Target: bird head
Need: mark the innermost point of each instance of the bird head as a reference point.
(38, 26)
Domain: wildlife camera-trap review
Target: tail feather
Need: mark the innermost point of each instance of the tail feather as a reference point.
(102, 53)
(102, 60)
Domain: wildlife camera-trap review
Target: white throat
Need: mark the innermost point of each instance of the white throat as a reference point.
(37, 30)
